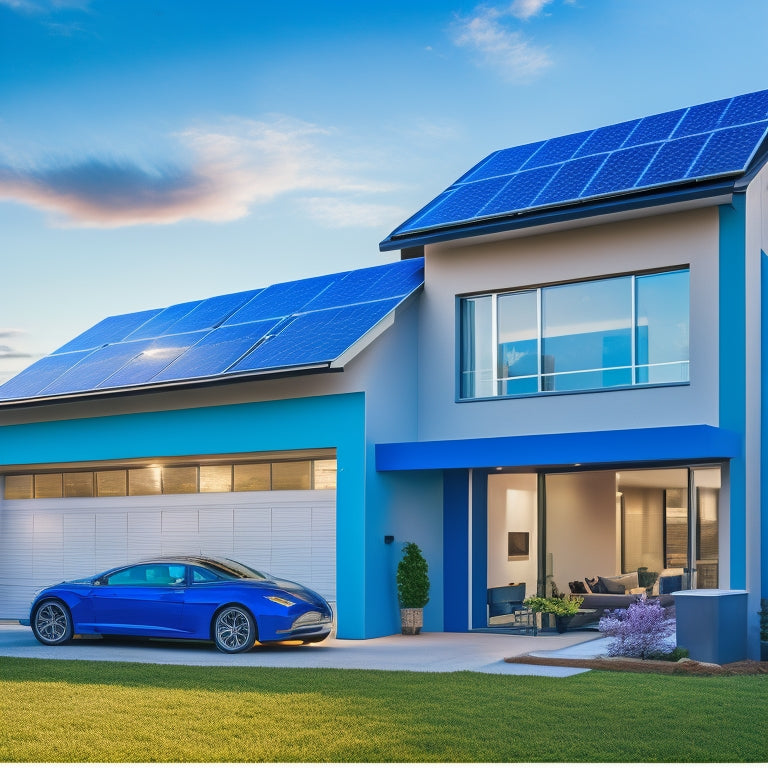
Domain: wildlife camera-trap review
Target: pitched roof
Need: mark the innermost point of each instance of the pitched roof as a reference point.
(693, 151)
(314, 324)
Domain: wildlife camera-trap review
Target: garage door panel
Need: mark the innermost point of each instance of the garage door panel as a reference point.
(292, 543)
(289, 534)
(180, 533)
(145, 530)
(111, 547)
(48, 549)
(216, 526)
(253, 536)
(79, 539)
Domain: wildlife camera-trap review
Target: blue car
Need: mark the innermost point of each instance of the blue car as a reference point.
(196, 598)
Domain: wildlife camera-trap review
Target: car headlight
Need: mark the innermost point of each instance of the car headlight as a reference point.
(280, 600)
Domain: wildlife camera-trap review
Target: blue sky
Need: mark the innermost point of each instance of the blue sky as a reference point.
(153, 152)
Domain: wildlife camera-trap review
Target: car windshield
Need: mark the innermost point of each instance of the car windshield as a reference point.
(231, 569)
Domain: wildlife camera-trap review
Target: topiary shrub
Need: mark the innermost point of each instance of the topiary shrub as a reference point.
(412, 578)
(642, 629)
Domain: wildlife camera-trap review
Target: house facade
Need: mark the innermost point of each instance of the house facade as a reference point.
(596, 406)
(575, 392)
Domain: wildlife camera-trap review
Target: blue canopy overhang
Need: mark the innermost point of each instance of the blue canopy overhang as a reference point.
(655, 445)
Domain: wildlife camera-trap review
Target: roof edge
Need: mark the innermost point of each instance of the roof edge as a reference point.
(571, 212)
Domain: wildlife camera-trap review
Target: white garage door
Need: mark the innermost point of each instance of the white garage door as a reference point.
(291, 534)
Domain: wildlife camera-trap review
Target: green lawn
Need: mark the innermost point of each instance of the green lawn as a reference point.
(53, 711)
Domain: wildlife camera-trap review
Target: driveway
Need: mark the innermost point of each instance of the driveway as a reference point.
(427, 652)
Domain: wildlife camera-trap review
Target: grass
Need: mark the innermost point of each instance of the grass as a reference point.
(64, 711)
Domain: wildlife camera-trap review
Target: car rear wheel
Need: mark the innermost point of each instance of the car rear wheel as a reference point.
(52, 623)
(234, 630)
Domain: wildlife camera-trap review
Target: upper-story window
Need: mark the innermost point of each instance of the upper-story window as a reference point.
(596, 334)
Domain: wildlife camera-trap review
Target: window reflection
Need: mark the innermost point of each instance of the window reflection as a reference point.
(595, 334)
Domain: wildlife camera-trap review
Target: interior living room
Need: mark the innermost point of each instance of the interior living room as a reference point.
(607, 535)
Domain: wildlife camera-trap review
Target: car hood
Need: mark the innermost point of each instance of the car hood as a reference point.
(295, 589)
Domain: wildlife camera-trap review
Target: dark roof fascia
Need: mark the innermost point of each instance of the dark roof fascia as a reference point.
(164, 387)
(560, 215)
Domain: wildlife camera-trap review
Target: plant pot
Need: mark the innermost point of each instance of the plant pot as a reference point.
(561, 623)
(411, 620)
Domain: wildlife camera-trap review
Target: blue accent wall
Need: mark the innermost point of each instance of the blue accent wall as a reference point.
(479, 547)
(455, 550)
(334, 421)
(764, 426)
(732, 350)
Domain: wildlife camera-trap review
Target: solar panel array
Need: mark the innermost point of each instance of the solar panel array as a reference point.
(285, 326)
(707, 141)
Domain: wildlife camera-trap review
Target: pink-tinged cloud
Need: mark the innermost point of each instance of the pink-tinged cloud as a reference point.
(227, 172)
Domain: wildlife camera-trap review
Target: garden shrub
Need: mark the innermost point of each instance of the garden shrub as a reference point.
(642, 629)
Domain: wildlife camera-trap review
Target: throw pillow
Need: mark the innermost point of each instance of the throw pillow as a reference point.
(611, 586)
(593, 585)
(577, 588)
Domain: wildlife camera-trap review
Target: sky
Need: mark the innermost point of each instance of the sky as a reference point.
(160, 151)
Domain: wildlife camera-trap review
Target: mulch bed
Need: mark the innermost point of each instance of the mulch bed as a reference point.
(621, 664)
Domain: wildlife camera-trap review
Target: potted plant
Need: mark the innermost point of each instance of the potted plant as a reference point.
(763, 613)
(412, 589)
(562, 608)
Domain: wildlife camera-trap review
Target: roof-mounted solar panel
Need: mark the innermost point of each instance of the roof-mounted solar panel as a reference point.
(705, 143)
(311, 323)
(109, 331)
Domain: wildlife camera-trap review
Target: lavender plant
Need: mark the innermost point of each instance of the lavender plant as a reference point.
(642, 630)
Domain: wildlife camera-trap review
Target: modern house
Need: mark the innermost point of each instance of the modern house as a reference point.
(576, 391)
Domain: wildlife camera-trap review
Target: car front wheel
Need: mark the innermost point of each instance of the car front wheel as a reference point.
(52, 623)
(234, 630)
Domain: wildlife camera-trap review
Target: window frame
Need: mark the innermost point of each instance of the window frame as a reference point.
(541, 374)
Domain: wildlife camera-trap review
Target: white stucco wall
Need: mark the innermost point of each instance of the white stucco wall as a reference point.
(684, 238)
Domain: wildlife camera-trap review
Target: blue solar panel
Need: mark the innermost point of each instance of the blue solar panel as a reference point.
(606, 139)
(153, 358)
(108, 331)
(732, 147)
(464, 202)
(282, 299)
(501, 163)
(316, 337)
(654, 128)
(701, 119)
(371, 284)
(749, 108)
(703, 142)
(217, 352)
(622, 169)
(570, 179)
(93, 369)
(32, 380)
(162, 321)
(211, 312)
(345, 307)
(673, 160)
(520, 191)
(557, 150)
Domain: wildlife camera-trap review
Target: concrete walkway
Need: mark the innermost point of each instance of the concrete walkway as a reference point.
(427, 652)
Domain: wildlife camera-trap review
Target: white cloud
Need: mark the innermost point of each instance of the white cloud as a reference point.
(526, 9)
(339, 213)
(501, 47)
(227, 171)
